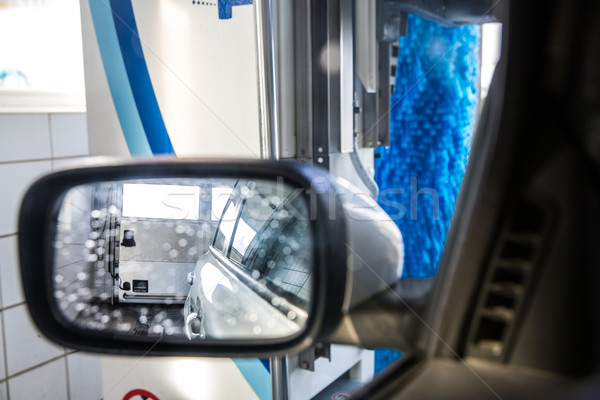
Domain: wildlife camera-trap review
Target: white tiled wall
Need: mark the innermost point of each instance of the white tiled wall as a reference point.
(31, 367)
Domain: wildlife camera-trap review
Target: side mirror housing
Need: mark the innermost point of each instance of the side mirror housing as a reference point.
(181, 257)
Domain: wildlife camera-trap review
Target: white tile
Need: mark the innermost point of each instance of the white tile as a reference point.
(26, 347)
(3, 393)
(46, 382)
(24, 137)
(85, 376)
(69, 134)
(10, 273)
(66, 163)
(14, 181)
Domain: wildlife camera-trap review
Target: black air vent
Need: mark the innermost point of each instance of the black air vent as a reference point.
(507, 281)
(394, 51)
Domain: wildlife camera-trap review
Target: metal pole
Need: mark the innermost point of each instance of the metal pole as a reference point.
(279, 375)
(268, 78)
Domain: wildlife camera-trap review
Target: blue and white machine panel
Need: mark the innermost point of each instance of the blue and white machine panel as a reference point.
(175, 77)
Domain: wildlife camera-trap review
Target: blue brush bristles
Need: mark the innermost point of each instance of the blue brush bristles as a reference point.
(432, 118)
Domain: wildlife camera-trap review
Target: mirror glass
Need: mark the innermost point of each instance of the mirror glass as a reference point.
(191, 259)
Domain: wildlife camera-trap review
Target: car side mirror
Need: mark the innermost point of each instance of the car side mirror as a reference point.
(176, 257)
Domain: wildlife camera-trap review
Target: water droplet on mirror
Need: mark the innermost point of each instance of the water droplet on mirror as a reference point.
(173, 253)
(173, 330)
(143, 319)
(182, 242)
(124, 327)
(82, 276)
(58, 278)
(96, 214)
(257, 330)
(113, 210)
(104, 319)
(276, 301)
(255, 274)
(291, 315)
(157, 329)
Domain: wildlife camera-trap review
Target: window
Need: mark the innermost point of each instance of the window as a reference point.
(41, 68)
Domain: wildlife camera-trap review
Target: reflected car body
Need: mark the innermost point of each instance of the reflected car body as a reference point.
(255, 280)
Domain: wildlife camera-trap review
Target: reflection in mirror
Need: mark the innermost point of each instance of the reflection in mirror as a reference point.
(184, 258)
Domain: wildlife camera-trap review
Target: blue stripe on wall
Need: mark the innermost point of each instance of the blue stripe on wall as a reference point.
(118, 81)
(139, 78)
(257, 376)
(226, 7)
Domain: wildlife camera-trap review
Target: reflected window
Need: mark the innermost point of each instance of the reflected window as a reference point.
(272, 243)
(226, 226)
(219, 198)
(243, 237)
(256, 212)
(161, 201)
